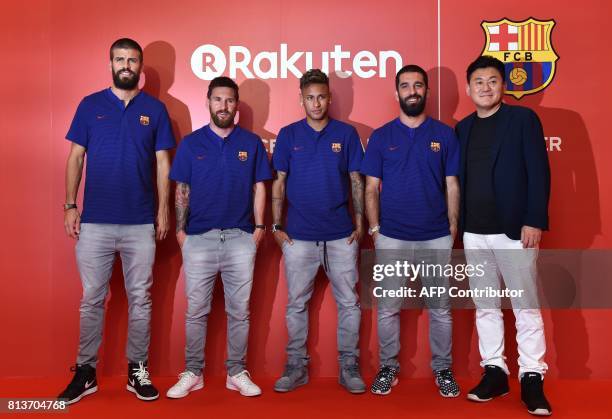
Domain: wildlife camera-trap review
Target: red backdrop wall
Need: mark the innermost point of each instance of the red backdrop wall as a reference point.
(55, 52)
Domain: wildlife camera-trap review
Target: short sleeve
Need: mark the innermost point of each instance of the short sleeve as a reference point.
(164, 138)
(181, 166)
(372, 160)
(355, 151)
(78, 132)
(282, 154)
(262, 165)
(452, 155)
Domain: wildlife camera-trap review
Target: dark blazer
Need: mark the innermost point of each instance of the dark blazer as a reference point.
(521, 173)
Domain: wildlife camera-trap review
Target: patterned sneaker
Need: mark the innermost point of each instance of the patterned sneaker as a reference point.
(187, 383)
(83, 383)
(350, 379)
(532, 394)
(494, 383)
(139, 382)
(293, 376)
(242, 382)
(385, 379)
(446, 383)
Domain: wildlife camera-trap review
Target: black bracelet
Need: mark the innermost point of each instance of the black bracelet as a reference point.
(260, 226)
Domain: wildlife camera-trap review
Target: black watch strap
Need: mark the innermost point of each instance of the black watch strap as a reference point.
(69, 206)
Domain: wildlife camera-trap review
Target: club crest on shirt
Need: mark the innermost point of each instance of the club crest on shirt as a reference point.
(144, 120)
(435, 146)
(243, 155)
(336, 147)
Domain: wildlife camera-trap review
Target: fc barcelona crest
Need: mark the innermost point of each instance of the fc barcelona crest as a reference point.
(336, 147)
(435, 146)
(144, 120)
(526, 50)
(243, 155)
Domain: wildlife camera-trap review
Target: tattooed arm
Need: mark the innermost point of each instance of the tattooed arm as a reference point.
(181, 200)
(357, 193)
(278, 200)
(372, 195)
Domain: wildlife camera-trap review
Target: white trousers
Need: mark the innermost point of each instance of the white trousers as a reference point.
(500, 257)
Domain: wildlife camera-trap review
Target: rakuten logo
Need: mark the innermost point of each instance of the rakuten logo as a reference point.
(209, 61)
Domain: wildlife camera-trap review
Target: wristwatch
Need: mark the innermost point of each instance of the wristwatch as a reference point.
(260, 226)
(373, 230)
(277, 227)
(69, 206)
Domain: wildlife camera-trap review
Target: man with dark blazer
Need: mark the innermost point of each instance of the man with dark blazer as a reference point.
(505, 188)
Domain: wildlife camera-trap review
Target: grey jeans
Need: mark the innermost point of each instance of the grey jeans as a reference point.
(95, 253)
(302, 261)
(437, 251)
(231, 252)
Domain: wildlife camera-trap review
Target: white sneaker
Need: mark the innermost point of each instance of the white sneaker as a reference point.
(187, 382)
(242, 382)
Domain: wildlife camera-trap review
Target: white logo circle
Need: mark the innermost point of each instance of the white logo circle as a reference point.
(208, 61)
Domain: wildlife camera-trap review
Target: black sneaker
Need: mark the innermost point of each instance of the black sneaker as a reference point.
(139, 383)
(385, 379)
(83, 383)
(532, 394)
(494, 383)
(446, 383)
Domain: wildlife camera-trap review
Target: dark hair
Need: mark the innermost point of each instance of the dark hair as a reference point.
(313, 76)
(411, 68)
(486, 61)
(126, 43)
(222, 82)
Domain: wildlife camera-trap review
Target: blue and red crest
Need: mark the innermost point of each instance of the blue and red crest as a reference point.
(526, 50)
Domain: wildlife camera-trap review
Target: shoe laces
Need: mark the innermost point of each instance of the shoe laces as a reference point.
(244, 378)
(386, 373)
(141, 374)
(352, 370)
(291, 369)
(185, 377)
(445, 375)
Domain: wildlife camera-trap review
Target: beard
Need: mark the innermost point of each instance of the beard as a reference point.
(413, 109)
(125, 83)
(222, 123)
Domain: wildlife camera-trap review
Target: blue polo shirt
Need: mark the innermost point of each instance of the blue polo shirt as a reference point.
(318, 166)
(221, 174)
(121, 143)
(413, 164)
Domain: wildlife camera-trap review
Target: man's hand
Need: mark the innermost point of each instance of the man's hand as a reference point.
(162, 225)
(180, 237)
(281, 237)
(72, 223)
(355, 236)
(530, 237)
(258, 235)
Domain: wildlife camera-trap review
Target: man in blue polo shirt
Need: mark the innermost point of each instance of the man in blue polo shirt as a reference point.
(416, 158)
(220, 171)
(124, 133)
(316, 160)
